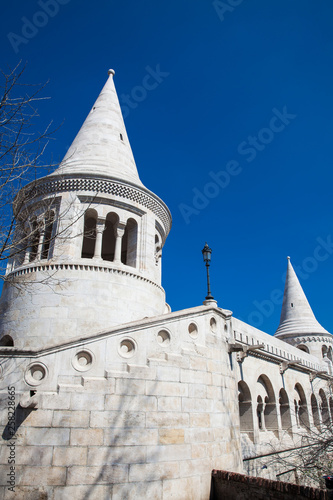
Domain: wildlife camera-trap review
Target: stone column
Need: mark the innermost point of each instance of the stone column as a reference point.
(27, 253)
(119, 231)
(100, 226)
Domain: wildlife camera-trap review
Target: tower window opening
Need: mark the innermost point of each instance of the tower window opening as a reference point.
(129, 243)
(292, 305)
(121, 137)
(109, 237)
(7, 341)
(47, 235)
(34, 241)
(89, 236)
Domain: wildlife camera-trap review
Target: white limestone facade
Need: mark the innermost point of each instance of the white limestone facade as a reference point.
(115, 396)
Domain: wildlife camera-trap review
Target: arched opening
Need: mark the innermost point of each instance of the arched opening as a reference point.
(303, 348)
(6, 341)
(324, 351)
(34, 241)
(265, 390)
(109, 237)
(49, 219)
(89, 235)
(245, 409)
(302, 407)
(285, 411)
(129, 243)
(315, 411)
(329, 353)
(325, 416)
(260, 409)
(158, 248)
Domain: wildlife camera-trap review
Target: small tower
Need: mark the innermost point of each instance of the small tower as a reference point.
(95, 236)
(298, 325)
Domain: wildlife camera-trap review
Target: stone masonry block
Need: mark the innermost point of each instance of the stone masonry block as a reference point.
(91, 492)
(200, 419)
(55, 401)
(135, 491)
(99, 385)
(182, 489)
(166, 388)
(28, 455)
(44, 437)
(69, 456)
(39, 418)
(166, 403)
(109, 455)
(130, 386)
(195, 376)
(167, 419)
(153, 472)
(131, 403)
(197, 391)
(198, 363)
(130, 437)
(70, 418)
(105, 474)
(171, 436)
(168, 453)
(84, 401)
(86, 437)
(168, 373)
(195, 467)
(195, 435)
(121, 419)
(37, 476)
(197, 405)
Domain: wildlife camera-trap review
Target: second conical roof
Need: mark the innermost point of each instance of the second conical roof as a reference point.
(297, 317)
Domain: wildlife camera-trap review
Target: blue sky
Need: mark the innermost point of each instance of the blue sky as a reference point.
(236, 137)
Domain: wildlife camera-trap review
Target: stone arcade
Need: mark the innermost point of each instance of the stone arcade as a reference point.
(115, 395)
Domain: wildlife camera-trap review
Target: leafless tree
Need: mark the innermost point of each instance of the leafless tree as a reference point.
(22, 148)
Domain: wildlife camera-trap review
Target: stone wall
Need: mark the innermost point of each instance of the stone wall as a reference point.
(148, 415)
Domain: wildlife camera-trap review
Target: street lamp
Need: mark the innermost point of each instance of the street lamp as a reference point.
(207, 255)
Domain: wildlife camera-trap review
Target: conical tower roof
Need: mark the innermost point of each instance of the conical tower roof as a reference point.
(101, 147)
(297, 317)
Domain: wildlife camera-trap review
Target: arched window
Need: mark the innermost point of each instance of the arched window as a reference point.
(49, 219)
(7, 341)
(303, 348)
(285, 411)
(129, 243)
(325, 416)
(158, 249)
(315, 411)
(329, 353)
(245, 409)
(109, 237)
(89, 236)
(34, 241)
(265, 390)
(324, 351)
(303, 416)
(260, 408)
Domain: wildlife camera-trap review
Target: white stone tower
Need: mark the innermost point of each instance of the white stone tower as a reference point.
(95, 237)
(298, 325)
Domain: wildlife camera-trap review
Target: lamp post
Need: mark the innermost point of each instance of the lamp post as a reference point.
(207, 254)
